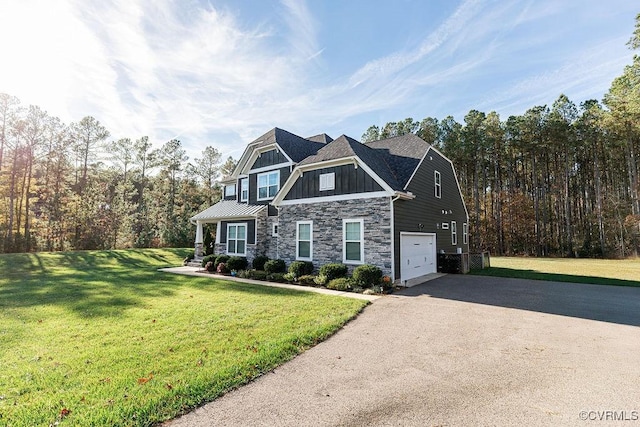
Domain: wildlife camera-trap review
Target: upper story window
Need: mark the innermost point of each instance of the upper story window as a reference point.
(454, 233)
(465, 233)
(438, 185)
(268, 185)
(229, 190)
(244, 189)
(327, 181)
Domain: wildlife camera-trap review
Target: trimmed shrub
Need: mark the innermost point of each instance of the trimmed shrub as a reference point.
(290, 277)
(276, 277)
(340, 284)
(244, 274)
(367, 275)
(320, 279)
(275, 266)
(188, 258)
(237, 263)
(222, 268)
(334, 271)
(307, 280)
(386, 283)
(300, 268)
(221, 258)
(208, 258)
(256, 275)
(378, 289)
(210, 267)
(258, 262)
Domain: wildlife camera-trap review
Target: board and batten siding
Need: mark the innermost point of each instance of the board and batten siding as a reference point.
(253, 185)
(268, 158)
(348, 180)
(428, 210)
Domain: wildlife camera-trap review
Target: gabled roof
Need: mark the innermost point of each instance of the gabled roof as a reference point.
(394, 160)
(296, 147)
(228, 209)
(322, 138)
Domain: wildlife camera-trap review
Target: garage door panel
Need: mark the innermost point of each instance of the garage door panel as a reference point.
(417, 253)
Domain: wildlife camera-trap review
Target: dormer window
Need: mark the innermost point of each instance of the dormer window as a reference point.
(244, 189)
(268, 185)
(229, 190)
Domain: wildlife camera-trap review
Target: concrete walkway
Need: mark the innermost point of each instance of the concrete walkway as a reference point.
(459, 351)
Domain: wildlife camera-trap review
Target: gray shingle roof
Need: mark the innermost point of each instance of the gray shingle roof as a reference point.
(402, 154)
(228, 209)
(295, 146)
(323, 138)
(393, 159)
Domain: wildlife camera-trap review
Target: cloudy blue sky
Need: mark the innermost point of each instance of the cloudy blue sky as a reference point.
(221, 73)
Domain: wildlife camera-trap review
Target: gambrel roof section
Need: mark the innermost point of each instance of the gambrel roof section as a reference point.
(403, 155)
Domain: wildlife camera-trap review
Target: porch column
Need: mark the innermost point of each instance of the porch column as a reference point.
(199, 240)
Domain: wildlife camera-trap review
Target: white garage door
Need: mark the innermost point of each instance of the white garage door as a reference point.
(417, 255)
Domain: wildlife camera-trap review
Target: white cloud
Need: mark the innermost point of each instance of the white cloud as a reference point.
(195, 71)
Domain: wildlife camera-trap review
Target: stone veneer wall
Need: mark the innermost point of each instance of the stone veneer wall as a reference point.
(271, 242)
(327, 230)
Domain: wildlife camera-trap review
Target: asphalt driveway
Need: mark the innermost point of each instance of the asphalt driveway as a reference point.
(460, 351)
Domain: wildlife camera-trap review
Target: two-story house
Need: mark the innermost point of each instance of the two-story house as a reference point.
(394, 203)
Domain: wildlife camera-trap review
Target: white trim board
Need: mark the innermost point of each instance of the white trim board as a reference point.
(342, 197)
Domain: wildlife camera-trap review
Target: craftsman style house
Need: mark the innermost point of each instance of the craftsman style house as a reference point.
(394, 203)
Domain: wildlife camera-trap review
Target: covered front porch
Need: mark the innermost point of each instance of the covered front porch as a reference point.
(238, 228)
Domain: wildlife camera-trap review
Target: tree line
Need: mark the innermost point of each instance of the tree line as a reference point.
(554, 181)
(560, 180)
(69, 186)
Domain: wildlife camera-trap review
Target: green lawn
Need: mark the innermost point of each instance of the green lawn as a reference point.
(102, 338)
(597, 271)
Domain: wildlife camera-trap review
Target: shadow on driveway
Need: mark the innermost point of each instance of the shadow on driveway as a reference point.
(614, 304)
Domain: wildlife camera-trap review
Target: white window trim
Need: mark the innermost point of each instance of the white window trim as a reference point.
(258, 185)
(454, 233)
(246, 230)
(437, 180)
(327, 181)
(465, 233)
(243, 182)
(274, 229)
(227, 190)
(344, 241)
(299, 258)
